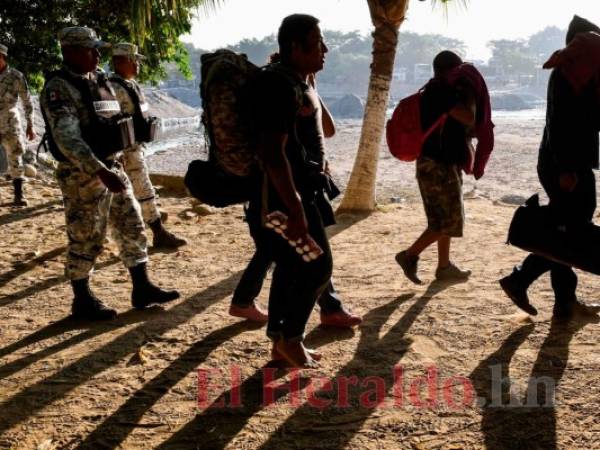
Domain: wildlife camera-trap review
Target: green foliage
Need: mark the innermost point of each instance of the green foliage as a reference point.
(30, 28)
(349, 56)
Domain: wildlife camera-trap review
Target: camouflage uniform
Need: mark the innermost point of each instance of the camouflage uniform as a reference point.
(13, 87)
(133, 158)
(89, 205)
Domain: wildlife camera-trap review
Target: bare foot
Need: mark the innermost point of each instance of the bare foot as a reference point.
(275, 355)
(295, 355)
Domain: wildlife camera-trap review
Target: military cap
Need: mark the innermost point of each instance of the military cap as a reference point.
(81, 36)
(3, 50)
(126, 49)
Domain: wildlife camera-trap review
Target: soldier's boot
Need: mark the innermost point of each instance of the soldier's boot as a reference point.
(86, 305)
(146, 293)
(19, 199)
(164, 239)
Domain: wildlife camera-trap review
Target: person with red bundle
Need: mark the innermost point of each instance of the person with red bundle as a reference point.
(459, 92)
(567, 156)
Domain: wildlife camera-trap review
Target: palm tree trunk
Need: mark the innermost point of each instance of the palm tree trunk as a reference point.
(387, 16)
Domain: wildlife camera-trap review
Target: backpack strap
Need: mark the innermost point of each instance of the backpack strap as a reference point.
(440, 122)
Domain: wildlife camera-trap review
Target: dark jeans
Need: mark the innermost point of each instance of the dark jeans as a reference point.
(254, 275)
(253, 278)
(296, 285)
(572, 209)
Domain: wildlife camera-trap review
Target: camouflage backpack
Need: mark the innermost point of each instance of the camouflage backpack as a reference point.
(231, 173)
(225, 75)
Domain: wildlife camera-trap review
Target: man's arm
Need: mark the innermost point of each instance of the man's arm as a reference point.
(465, 110)
(272, 152)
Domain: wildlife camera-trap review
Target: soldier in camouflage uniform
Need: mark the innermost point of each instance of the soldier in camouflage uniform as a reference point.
(95, 190)
(131, 98)
(13, 87)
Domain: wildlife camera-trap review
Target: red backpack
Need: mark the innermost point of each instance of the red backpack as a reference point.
(404, 133)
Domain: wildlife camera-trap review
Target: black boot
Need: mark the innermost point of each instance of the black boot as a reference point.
(86, 305)
(163, 238)
(517, 292)
(145, 293)
(19, 200)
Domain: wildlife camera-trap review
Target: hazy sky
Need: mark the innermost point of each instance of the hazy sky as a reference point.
(480, 22)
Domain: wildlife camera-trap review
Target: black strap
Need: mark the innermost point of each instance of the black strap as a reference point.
(132, 93)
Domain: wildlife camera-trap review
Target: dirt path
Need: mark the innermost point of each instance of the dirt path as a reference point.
(133, 383)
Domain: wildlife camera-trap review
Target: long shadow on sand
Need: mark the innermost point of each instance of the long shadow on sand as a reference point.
(67, 325)
(39, 395)
(34, 398)
(29, 212)
(113, 431)
(375, 356)
(53, 281)
(25, 267)
(529, 422)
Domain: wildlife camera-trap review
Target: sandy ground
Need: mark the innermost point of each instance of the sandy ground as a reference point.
(132, 383)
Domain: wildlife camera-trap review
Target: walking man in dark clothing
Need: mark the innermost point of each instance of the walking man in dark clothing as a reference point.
(567, 156)
(313, 124)
(278, 95)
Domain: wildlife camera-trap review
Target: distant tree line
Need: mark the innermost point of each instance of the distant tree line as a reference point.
(350, 55)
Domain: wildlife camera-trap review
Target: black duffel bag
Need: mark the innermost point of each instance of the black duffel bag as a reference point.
(210, 184)
(534, 229)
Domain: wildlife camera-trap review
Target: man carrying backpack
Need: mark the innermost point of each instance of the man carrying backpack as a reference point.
(439, 177)
(82, 117)
(278, 93)
(313, 124)
(126, 63)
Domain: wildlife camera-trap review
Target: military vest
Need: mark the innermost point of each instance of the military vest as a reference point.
(145, 126)
(108, 130)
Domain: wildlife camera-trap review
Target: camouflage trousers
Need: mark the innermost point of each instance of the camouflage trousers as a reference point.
(137, 171)
(441, 190)
(13, 140)
(89, 208)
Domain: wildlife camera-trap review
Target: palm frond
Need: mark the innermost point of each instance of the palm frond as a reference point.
(143, 12)
(445, 5)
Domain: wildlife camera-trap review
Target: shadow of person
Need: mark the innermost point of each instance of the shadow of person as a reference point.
(48, 284)
(29, 212)
(375, 357)
(67, 325)
(115, 429)
(253, 401)
(492, 385)
(26, 266)
(34, 398)
(526, 420)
